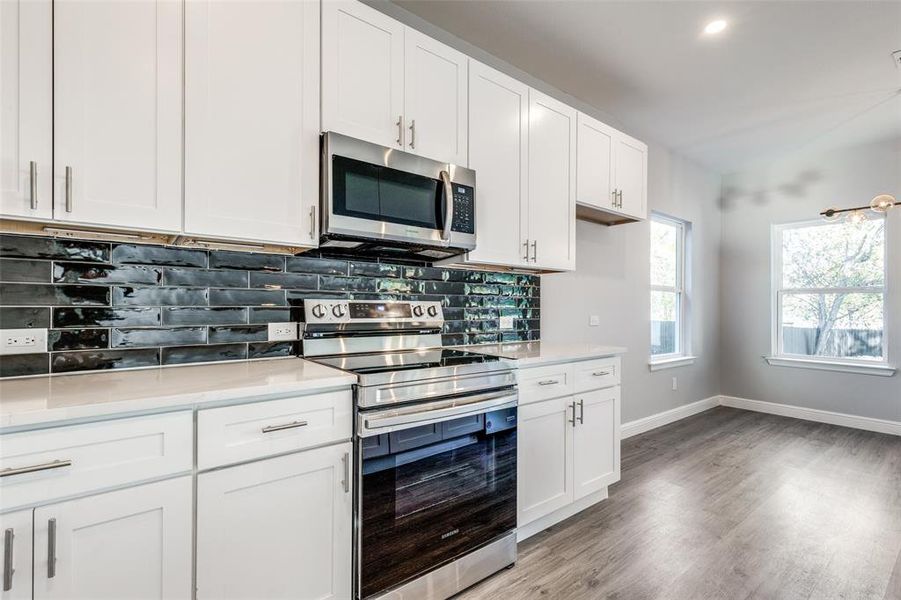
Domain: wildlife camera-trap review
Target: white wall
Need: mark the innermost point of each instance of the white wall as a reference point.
(796, 188)
(612, 277)
(612, 264)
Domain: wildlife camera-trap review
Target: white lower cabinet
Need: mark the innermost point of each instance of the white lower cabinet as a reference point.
(277, 528)
(130, 543)
(16, 529)
(568, 444)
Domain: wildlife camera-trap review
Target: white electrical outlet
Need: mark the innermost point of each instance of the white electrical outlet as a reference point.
(675, 384)
(23, 341)
(282, 332)
(594, 320)
(506, 323)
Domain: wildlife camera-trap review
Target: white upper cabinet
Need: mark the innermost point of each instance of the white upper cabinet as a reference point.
(362, 73)
(435, 98)
(632, 176)
(118, 113)
(26, 108)
(252, 120)
(552, 183)
(498, 151)
(278, 528)
(594, 182)
(612, 174)
(130, 543)
(391, 85)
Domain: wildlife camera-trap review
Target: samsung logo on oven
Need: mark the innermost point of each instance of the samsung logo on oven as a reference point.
(450, 533)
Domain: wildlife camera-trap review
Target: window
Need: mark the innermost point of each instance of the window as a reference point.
(829, 282)
(669, 303)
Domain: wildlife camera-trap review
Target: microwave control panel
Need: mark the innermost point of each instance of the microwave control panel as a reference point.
(464, 209)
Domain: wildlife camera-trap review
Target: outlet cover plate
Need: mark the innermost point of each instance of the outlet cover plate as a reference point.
(23, 341)
(282, 332)
(506, 323)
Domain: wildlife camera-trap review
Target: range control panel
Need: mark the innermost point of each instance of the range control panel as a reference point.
(371, 311)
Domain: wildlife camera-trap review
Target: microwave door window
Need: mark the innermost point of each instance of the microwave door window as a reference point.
(409, 199)
(356, 188)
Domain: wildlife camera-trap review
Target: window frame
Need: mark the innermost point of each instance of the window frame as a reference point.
(778, 356)
(682, 355)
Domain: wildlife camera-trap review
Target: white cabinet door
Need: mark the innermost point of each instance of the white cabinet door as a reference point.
(499, 151)
(544, 458)
(26, 108)
(435, 96)
(118, 113)
(596, 441)
(362, 73)
(278, 528)
(15, 529)
(131, 543)
(252, 120)
(594, 175)
(632, 175)
(552, 183)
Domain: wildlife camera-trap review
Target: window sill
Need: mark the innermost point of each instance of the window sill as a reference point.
(880, 369)
(671, 363)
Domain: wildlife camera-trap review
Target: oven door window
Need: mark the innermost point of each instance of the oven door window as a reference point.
(432, 493)
(379, 193)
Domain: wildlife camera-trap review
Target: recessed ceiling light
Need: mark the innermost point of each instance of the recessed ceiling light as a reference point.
(715, 27)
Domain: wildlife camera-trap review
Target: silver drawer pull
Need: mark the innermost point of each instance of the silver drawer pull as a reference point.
(8, 570)
(600, 373)
(56, 464)
(549, 382)
(291, 425)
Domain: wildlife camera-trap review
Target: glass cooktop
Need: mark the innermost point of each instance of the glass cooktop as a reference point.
(385, 362)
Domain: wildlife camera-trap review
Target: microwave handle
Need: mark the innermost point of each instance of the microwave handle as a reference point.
(448, 207)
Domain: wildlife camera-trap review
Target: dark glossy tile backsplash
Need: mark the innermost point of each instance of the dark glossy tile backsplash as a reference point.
(114, 306)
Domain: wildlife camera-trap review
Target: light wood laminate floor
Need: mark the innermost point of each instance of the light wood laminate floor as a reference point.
(728, 504)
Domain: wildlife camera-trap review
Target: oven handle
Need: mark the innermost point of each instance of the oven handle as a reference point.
(389, 420)
(448, 207)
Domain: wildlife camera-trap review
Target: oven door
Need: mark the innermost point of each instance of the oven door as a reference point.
(437, 481)
(379, 193)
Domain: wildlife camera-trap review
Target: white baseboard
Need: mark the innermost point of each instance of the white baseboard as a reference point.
(666, 417)
(813, 414)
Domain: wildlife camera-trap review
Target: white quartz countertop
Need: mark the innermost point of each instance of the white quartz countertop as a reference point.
(42, 400)
(531, 354)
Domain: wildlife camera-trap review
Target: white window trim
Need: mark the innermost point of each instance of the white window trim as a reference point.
(682, 356)
(860, 366)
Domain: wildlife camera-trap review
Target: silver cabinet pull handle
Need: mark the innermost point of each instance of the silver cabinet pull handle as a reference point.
(33, 183)
(572, 421)
(313, 223)
(8, 570)
(526, 246)
(282, 427)
(581, 412)
(56, 464)
(413, 134)
(51, 548)
(345, 460)
(534, 250)
(613, 200)
(600, 373)
(68, 189)
(549, 382)
(620, 198)
(400, 130)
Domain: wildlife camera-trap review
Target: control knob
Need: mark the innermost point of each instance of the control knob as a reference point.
(417, 311)
(318, 311)
(339, 310)
(433, 311)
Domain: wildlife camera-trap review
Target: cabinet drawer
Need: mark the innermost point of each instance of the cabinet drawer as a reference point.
(541, 383)
(596, 374)
(248, 431)
(37, 466)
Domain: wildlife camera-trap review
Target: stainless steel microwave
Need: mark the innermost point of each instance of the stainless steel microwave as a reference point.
(386, 202)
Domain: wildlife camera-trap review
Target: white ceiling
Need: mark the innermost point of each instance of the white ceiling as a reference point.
(784, 75)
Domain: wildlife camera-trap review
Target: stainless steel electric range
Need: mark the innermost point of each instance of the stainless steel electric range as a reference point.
(435, 451)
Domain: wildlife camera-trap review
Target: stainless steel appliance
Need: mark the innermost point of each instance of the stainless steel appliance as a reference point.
(382, 201)
(435, 452)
